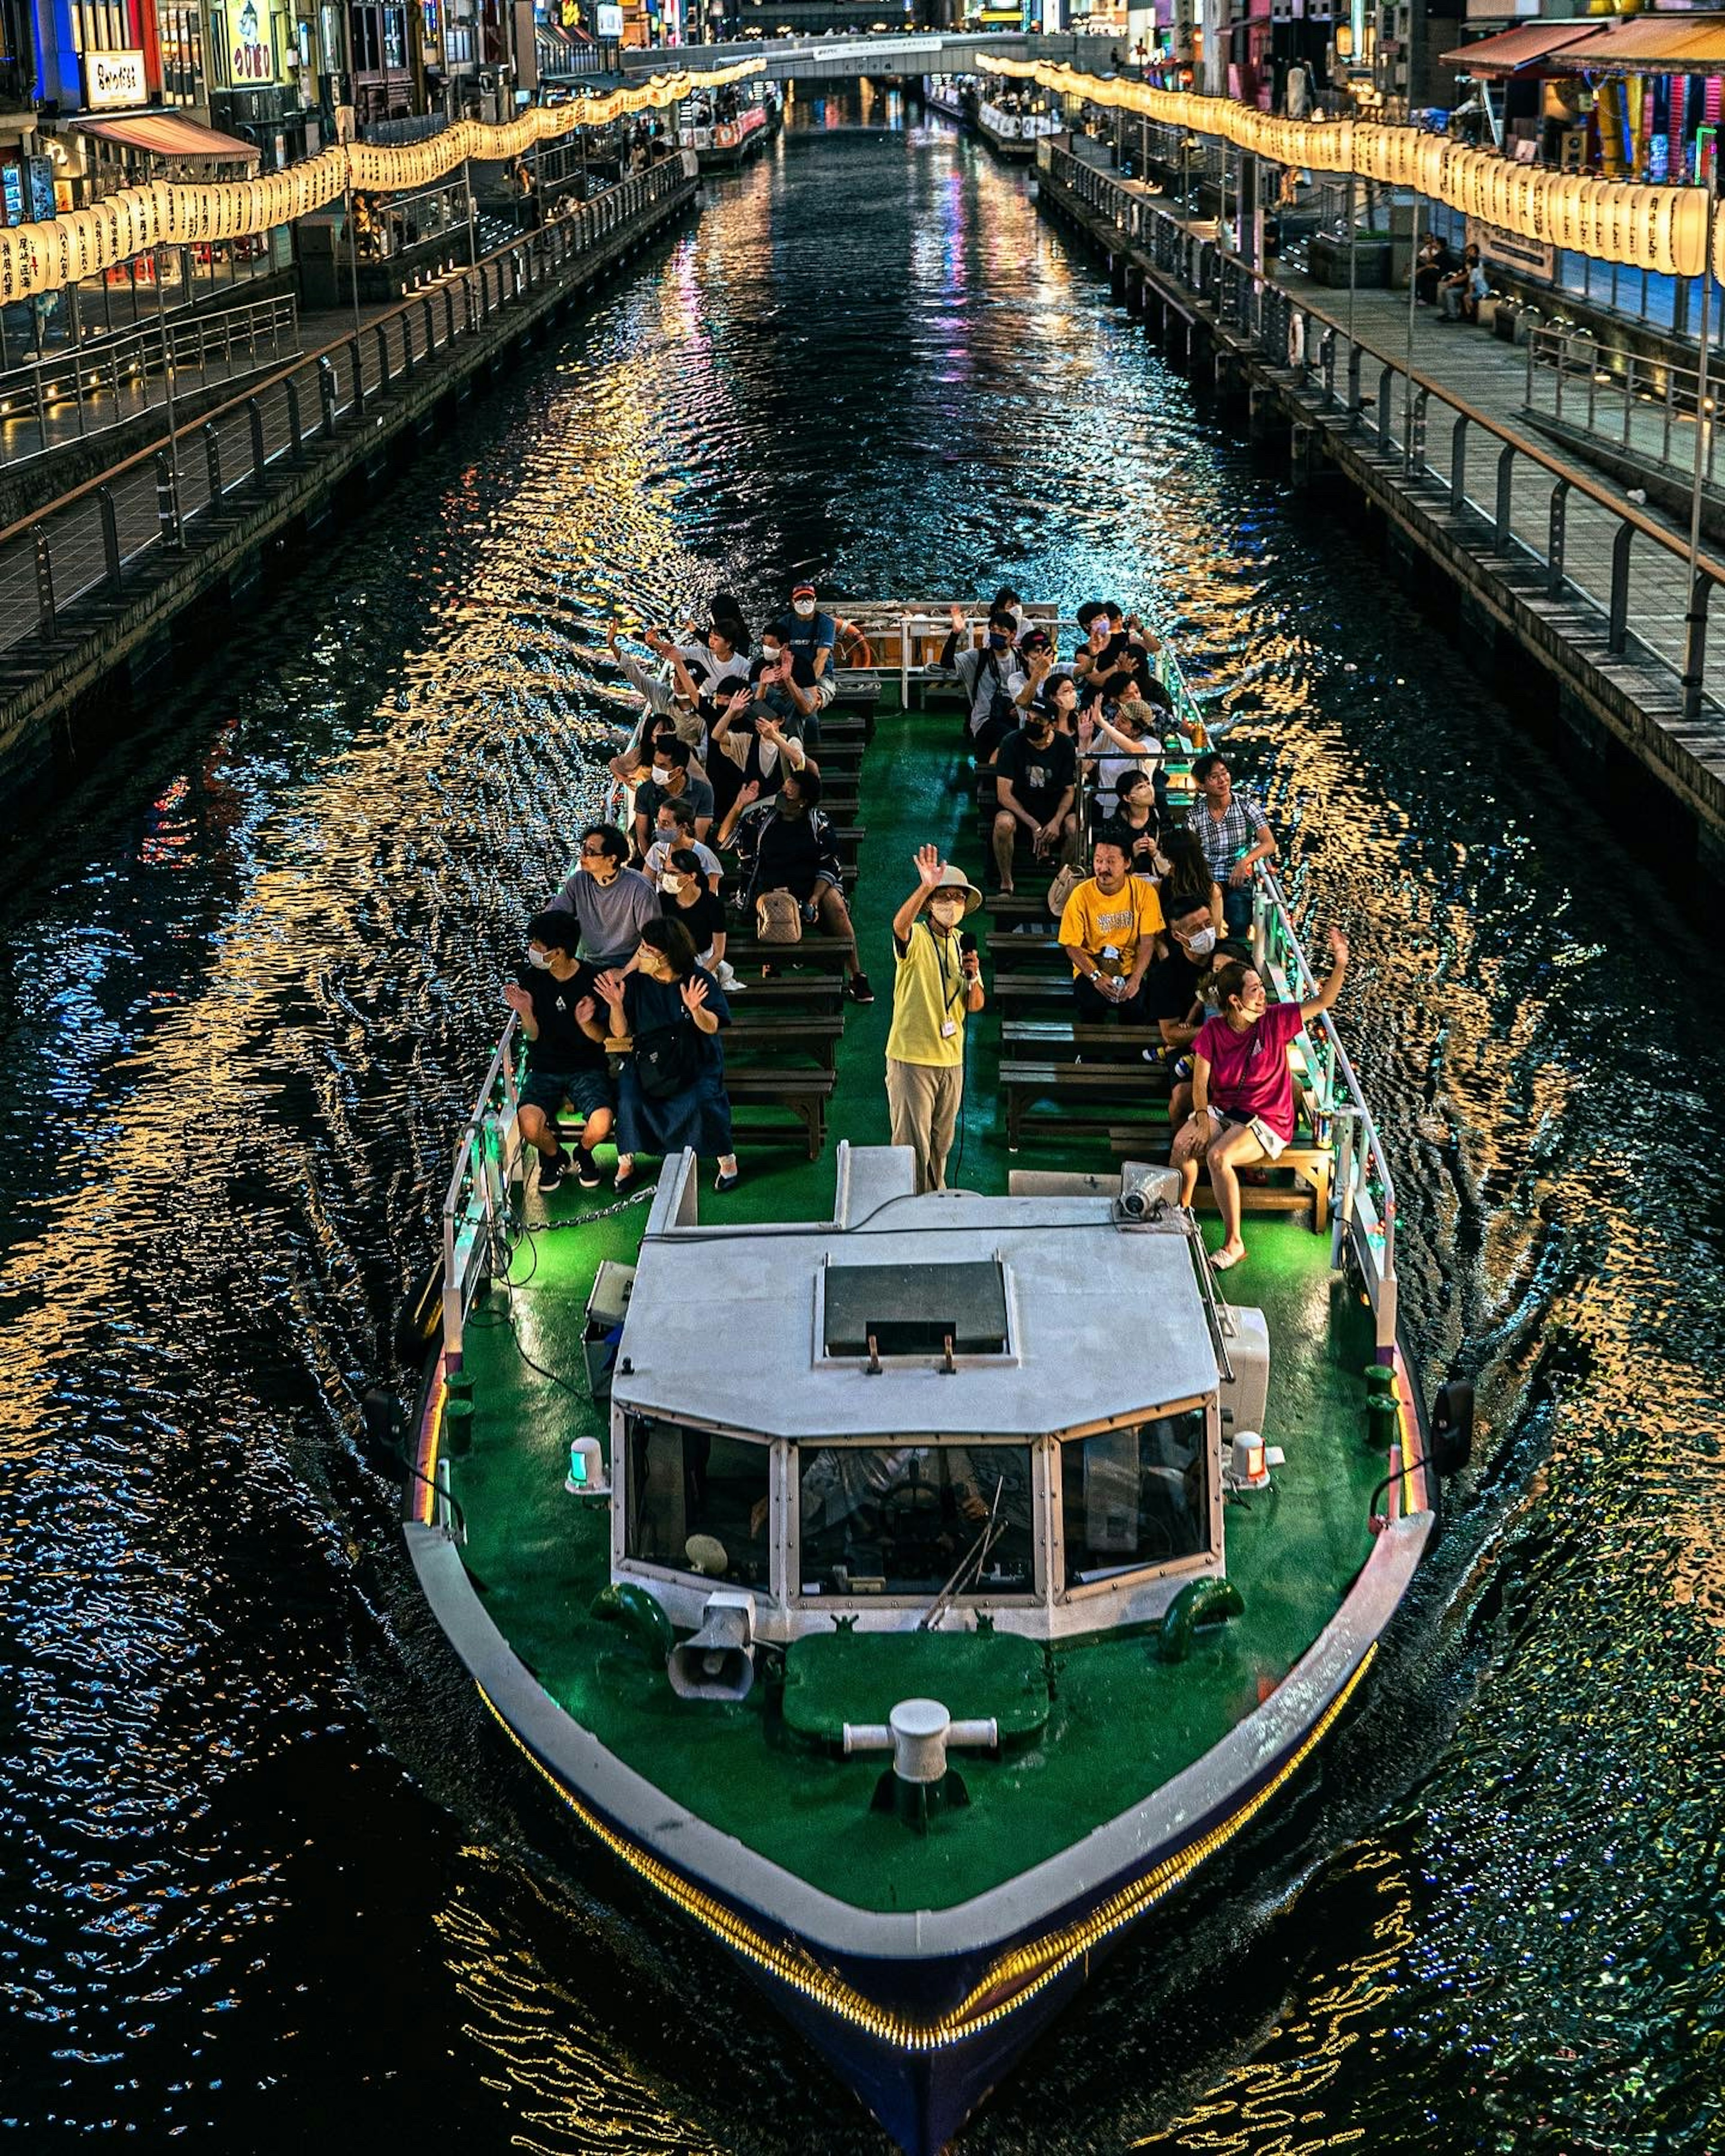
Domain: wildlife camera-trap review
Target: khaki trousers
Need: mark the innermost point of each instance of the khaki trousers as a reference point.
(924, 1098)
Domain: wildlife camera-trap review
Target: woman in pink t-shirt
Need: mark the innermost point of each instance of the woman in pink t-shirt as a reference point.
(1242, 1089)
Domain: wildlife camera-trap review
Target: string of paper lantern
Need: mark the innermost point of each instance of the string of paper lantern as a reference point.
(1664, 229)
(53, 252)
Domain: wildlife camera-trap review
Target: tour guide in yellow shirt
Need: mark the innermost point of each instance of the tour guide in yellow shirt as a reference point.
(1111, 931)
(935, 986)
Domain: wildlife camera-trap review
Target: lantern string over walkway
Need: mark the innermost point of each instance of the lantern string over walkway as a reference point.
(1663, 229)
(58, 251)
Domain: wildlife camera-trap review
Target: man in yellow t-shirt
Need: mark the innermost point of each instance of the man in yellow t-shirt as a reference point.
(1110, 930)
(937, 986)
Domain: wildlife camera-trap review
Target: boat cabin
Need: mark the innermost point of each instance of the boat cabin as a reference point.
(1015, 1408)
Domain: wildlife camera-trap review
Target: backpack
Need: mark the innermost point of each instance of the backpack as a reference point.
(778, 918)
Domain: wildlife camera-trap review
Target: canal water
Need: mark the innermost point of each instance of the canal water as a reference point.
(268, 1881)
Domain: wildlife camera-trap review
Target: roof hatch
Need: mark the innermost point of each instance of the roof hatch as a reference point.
(915, 1310)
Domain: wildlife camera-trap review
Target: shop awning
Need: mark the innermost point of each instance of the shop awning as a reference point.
(165, 135)
(1654, 44)
(1524, 51)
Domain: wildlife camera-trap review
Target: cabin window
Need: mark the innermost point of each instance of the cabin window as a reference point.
(1134, 1497)
(898, 1520)
(697, 1501)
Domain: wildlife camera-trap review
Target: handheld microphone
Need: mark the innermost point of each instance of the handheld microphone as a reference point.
(966, 944)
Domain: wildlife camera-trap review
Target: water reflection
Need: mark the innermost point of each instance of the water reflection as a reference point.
(241, 1016)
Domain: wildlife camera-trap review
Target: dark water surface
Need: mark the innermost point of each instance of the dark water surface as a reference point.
(266, 1880)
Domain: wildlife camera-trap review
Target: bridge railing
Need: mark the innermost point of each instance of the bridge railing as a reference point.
(1548, 531)
(162, 503)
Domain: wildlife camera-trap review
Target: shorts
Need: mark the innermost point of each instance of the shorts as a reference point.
(586, 1092)
(988, 736)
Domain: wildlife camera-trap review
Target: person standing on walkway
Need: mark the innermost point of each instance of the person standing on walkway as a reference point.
(937, 986)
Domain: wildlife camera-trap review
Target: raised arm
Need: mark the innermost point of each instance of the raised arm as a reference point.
(930, 869)
(1331, 988)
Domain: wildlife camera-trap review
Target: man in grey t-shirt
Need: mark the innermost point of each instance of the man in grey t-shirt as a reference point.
(612, 902)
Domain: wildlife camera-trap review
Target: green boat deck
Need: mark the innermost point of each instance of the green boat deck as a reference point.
(1101, 1722)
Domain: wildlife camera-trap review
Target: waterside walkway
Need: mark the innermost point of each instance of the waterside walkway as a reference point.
(1430, 422)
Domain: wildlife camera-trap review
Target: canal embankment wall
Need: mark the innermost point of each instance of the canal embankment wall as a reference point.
(1575, 602)
(100, 589)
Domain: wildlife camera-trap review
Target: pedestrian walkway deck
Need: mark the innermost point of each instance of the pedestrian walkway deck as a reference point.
(1429, 421)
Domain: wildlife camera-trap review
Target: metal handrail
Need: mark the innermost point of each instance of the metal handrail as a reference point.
(1603, 391)
(475, 1198)
(1292, 332)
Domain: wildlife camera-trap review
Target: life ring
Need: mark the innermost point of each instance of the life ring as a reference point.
(854, 648)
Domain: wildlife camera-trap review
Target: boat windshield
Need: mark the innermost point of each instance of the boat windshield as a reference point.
(898, 1519)
(1133, 1498)
(697, 1501)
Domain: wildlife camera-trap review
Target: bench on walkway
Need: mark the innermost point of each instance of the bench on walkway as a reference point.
(755, 1030)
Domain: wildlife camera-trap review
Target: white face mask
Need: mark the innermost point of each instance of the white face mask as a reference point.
(1202, 943)
(805, 608)
(542, 959)
(948, 911)
(769, 654)
(663, 774)
(672, 884)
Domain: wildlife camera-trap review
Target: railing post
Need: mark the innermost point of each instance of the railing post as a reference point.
(296, 439)
(111, 539)
(1386, 381)
(213, 460)
(1327, 350)
(430, 326)
(382, 337)
(1458, 465)
(1694, 643)
(1416, 431)
(1353, 362)
(326, 392)
(168, 507)
(45, 582)
(1629, 393)
(1505, 499)
(260, 462)
(1555, 540)
(359, 374)
(1617, 619)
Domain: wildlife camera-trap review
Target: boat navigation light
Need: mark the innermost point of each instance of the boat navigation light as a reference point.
(586, 1477)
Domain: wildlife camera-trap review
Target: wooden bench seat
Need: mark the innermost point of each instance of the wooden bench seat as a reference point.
(820, 953)
(790, 993)
(1021, 952)
(1058, 1038)
(803, 1093)
(757, 1030)
(1070, 1097)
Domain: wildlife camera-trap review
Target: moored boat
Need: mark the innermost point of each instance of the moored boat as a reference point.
(915, 1590)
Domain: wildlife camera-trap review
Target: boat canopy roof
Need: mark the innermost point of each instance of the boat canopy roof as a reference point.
(1060, 1318)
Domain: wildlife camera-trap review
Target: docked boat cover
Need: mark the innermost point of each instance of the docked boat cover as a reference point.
(165, 135)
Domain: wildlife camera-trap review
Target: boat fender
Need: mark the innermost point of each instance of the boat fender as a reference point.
(382, 1433)
(418, 1322)
(1203, 1602)
(642, 1615)
(1452, 1427)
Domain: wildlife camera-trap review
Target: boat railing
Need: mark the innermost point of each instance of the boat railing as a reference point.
(1363, 1191)
(476, 1205)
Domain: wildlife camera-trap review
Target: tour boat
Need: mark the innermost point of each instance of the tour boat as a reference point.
(915, 1591)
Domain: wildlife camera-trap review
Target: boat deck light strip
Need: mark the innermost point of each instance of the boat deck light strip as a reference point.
(1029, 1969)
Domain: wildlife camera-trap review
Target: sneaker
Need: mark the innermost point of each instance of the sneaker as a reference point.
(587, 1169)
(858, 989)
(552, 1172)
(727, 979)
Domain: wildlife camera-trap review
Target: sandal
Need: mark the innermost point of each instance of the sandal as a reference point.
(1222, 1263)
(728, 1182)
(625, 1179)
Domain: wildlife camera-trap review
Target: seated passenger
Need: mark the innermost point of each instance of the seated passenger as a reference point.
(663, 1019)
(773, 681)
(1133, 812)
(663, 698)
(808, 634)
(553, 998)
(1110, 932)
(786, 844)
(668, 779)
(751, 745)
(1036, 782)
(1243, 1109)
(675, 827)
(996, 687)
(611, 901)
(1183, 874)
(684, 896)
(1232, 829)
(1172, 985)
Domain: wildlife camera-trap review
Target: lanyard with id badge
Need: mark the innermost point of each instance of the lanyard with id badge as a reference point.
(951, 989)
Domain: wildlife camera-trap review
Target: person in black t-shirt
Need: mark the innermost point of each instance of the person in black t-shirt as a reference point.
(1172, 987)
(1035, 784)
(684, 896)
(551, 998)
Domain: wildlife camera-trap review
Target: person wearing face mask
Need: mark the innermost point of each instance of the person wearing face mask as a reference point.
(683, 895)
(675, 827)
(669, 700)
(665, 1018)
(936, 988)
(1184, 874)
(1172, 985)
(773, 682)
(611, 901)
(1132, 812)
(752, 747)
(714, 664)
(553, 998)
(808, 634)
(994, 684)
(1243, 1089)
(1035, 785)
(787, 844)
(669, 779)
